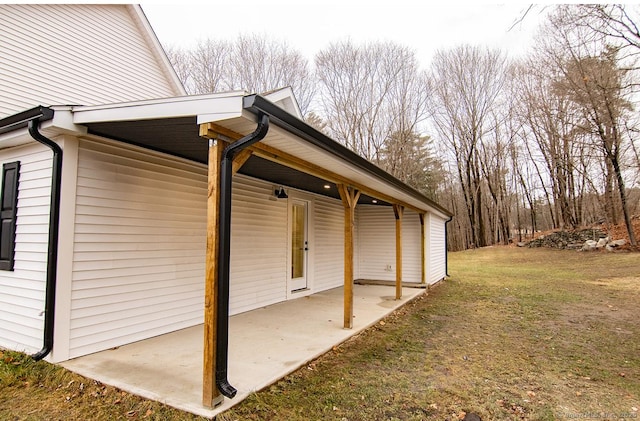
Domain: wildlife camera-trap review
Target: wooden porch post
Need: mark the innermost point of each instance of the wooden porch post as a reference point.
(423, 262)
(398, 210)
(211, 397)
(349, 198)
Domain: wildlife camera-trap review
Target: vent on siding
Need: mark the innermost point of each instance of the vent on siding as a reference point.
(8, 210)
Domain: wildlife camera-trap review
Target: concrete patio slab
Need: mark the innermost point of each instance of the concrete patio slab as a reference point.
(264, 345)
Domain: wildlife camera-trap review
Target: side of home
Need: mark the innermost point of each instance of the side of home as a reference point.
(132, 242)
(60, 54)
(108, 229)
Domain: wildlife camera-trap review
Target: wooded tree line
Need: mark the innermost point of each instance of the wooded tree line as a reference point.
(511, 146)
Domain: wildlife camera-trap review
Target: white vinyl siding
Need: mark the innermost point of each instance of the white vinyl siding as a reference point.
(22, 290)
(258, 246)
(411, 248)
(75, 54)
(140, 239)
(376, 252)
(328, 247)
(437, 253)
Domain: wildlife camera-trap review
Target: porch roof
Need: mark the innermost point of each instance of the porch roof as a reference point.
(172, 126)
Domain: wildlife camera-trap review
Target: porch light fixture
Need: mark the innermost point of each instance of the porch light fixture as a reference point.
(327, 186)
(280, 193)
(374, 201)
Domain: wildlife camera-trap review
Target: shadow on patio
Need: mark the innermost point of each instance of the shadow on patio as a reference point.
(264, 345)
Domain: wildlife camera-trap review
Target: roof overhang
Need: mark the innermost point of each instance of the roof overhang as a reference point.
(171, 126)
(314, 146)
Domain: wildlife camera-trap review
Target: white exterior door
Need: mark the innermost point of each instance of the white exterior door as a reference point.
(299, 244)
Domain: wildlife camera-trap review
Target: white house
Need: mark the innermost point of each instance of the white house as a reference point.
(114, 220)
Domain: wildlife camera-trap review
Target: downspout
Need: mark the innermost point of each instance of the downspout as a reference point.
(52, 253)
(224, 247)
(446, 247)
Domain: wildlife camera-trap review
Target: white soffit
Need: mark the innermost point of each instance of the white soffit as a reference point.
(285, 141)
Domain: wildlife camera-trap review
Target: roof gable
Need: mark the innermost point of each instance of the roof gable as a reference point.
(79, 54)
(285, 99)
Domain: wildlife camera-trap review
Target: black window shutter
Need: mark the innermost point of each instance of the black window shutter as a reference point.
(8, 211)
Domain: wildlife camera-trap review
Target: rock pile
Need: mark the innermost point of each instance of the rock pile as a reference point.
(609, 245)
(581, 240)
(568, 239)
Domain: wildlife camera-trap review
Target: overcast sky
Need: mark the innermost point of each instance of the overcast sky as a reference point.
(310, 26)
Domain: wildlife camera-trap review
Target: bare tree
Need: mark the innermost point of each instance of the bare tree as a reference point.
(468, 82)
(614, 24)
(260, 64)
(368, 92)
(209, 66)
(595, 81)
(550, 120)
(181, 61)
(252, 63)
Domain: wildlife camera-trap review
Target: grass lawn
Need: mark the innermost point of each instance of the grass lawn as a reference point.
(515, 333)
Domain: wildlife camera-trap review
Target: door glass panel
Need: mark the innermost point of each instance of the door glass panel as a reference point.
(298, 240)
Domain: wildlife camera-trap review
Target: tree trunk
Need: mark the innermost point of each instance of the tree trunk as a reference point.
(623, 200)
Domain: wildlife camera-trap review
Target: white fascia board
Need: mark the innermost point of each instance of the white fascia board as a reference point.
(221, 116)
(63, 121)
(195, 105)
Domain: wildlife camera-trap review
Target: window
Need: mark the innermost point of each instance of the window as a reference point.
(8, 210)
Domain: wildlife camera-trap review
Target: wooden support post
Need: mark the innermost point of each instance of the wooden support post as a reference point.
(423, 256)
(398, 210)
(349, 198)
(211, 397)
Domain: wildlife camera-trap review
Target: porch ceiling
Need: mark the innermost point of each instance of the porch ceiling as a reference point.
(180, 137)
(296, 155)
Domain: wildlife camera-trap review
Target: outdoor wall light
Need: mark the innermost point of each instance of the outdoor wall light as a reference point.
(327, 186)
(280, 193)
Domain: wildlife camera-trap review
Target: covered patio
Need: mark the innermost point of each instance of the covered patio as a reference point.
(264, 345)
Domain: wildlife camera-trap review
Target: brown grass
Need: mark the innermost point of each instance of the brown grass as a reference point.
(515, 333)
